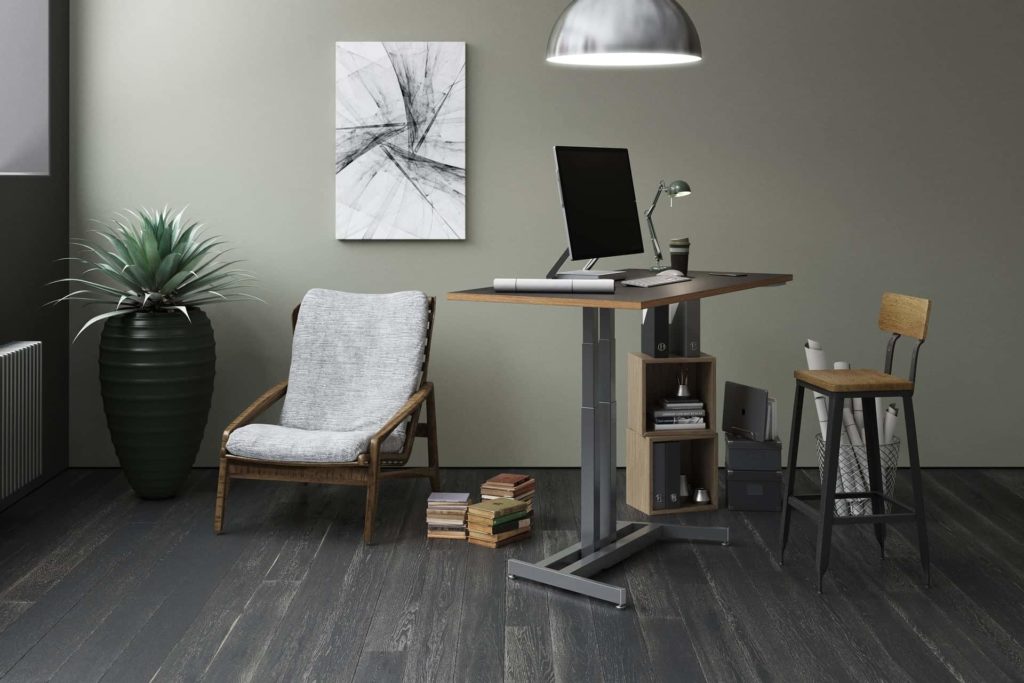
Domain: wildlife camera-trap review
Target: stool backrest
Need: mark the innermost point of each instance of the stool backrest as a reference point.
(905, 315)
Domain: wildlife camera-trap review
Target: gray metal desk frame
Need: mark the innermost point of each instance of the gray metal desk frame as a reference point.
(603, 540)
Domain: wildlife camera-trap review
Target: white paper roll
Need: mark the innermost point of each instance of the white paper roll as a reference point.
(880, 419)
(856, 406)
(525, 284)
(892, 413)
(815, 356)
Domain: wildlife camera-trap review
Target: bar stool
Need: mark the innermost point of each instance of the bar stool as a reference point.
(902, 316)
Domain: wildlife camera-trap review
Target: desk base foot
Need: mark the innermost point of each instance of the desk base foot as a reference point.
(570, 569)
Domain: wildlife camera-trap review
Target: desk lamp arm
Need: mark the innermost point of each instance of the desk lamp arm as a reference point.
(650, 223)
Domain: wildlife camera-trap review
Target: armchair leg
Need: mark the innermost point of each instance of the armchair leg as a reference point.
(223, 484)
(372, 491)
(435, 475)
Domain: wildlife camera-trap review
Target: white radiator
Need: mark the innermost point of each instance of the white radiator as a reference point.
(21, 415)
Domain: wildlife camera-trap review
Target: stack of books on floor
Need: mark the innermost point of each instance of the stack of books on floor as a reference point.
(518, 486)
(680, 412)
(446, 515)
(500, 521)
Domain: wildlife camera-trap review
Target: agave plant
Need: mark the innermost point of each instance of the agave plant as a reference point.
(151, 261)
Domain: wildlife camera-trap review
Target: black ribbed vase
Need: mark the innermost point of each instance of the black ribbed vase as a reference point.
(156, 376)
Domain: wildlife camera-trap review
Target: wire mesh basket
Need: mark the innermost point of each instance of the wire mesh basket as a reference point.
(853, 475)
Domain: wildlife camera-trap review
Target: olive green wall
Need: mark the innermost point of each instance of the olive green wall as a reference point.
(861, 146)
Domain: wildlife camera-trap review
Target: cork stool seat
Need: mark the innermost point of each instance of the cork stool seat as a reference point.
(901, 316)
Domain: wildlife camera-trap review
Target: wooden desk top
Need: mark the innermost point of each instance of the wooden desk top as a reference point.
(636, 298)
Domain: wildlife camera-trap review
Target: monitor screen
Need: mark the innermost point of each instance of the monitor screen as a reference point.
(596, 185)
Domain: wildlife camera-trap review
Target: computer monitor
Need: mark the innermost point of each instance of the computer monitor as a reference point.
(596, 186)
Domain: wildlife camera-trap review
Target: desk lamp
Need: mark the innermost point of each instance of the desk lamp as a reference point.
(677, 188)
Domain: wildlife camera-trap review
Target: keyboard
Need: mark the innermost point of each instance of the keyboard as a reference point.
(656, 280)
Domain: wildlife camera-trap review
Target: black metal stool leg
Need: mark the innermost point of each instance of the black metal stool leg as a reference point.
(915, 478)
(790, 482)
(876, 482)
(828, 492)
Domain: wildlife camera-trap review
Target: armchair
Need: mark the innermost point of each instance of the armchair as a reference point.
(352, 402)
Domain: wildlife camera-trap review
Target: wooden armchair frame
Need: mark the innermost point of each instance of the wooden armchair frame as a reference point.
(368, 470)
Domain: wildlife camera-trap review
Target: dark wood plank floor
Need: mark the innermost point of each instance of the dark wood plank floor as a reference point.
(98, 585)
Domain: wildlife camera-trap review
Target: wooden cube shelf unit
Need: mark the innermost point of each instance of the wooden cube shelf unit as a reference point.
(649, 380)
(699, 464)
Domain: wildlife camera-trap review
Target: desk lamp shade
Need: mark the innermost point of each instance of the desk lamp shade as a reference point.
(624, 33)
(678, 188)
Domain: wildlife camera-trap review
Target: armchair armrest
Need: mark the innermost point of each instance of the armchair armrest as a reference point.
(267, 399)
(414, 402)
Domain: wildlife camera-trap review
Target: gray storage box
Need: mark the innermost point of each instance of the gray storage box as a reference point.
(744, 454)
(754, 489)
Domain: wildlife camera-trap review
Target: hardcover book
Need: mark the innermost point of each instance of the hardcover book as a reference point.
(443, 498)
(498, 544)
(507, 479)
(499, 507)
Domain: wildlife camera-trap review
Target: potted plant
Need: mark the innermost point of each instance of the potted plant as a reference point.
(157, 354)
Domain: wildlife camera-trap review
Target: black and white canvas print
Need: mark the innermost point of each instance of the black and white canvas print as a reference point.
(400, 141)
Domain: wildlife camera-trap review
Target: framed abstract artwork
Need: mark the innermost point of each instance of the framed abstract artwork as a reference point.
(400, 141)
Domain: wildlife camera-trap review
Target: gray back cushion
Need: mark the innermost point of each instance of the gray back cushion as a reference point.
(356, 359)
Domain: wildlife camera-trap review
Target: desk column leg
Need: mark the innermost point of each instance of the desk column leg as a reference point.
(589, 437)
(606, 431)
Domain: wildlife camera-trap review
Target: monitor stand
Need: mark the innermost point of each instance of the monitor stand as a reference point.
(587, 272)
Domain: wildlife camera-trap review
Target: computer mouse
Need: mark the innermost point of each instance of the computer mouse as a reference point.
(673, 272)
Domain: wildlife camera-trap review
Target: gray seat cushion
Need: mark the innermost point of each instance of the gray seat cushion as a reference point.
(356, 359)
(286, 444)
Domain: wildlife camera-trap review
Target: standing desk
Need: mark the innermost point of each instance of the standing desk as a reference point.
(670, 326)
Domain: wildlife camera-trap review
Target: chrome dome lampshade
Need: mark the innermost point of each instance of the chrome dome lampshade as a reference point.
(624, 33)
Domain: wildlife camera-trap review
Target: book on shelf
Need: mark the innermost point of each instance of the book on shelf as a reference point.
(678, 427)
(686, 412)
(681, 403)
(668, 472)
(678, 420)
(658, 477)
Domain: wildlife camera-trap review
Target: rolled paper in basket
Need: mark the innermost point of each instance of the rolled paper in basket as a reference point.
(889, 430)
(850, 428)
(880, 419)
(816, 361)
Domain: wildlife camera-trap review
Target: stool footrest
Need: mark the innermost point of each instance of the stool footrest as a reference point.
(858, 494)
(876, 519)
(800, 502)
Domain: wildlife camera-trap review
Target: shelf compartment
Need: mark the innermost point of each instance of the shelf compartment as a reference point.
(651, 379)
(699, 464)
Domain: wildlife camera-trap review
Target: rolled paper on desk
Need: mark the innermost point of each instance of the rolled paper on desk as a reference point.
(525, 284)
(889, 428)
